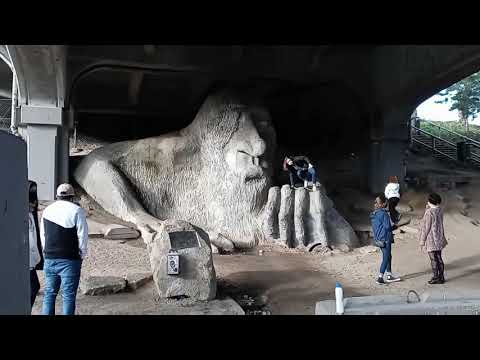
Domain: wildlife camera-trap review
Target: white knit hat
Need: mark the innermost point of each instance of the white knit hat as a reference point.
(64, 190)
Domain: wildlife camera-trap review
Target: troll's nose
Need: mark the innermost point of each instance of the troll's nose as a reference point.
(258, 147)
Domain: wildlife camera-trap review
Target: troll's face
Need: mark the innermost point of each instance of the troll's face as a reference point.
(238, 133)
(237, 143)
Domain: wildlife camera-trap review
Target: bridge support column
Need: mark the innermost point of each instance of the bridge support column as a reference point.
(387, 158)
(47, 148)
(389, 142)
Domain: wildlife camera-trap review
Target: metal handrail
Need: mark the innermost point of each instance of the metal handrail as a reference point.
(433, 136)
(435, 149)
(445, 147)
(452, 132)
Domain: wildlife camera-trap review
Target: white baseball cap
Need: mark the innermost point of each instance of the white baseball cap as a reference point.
(64, 190)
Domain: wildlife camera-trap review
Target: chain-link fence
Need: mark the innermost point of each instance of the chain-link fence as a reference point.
(5, 114)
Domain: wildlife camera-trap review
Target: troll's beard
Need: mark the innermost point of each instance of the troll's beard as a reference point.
(236, 203)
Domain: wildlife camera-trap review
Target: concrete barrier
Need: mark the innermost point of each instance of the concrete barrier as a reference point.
(430, 303)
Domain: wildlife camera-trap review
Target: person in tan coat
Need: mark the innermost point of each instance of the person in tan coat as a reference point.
(432, 237)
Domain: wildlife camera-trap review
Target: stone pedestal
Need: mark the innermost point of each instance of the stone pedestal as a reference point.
(196, 278)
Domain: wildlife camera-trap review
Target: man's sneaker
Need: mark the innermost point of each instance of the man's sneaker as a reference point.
(380, 281)
(391, 278)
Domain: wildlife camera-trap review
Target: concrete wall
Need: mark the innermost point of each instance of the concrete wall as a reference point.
(14, 250)
(409, 74)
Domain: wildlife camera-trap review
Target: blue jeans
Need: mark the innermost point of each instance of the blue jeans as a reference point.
(308, 175)
(62, 272)
(386, 258)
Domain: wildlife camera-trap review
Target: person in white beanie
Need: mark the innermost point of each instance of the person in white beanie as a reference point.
(64, 236)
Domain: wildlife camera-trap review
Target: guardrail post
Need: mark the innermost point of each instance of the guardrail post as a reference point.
(461, 151)
(468, 147)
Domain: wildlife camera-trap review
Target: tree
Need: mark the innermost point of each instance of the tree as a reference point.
(464, 97)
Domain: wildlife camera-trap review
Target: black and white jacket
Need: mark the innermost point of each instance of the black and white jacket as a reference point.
(64, 231)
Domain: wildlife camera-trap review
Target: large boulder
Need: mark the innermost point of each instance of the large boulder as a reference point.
(196, 278)
(340, 233)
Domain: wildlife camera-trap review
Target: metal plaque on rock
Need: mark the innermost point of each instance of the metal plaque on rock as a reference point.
(183, 239)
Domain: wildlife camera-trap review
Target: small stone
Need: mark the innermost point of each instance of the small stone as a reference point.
(120, 232)
(410, 229)
(369, 249)
(466, 206)
(102, 285)
(404, 208)
(137, 280)
(404, 220)
(343, 248)
(223, 244)
(215, 249)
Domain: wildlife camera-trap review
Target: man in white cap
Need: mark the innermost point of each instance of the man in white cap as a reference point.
(64, 237)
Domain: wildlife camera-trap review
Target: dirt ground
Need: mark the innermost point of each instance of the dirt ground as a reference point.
(294, 281)
(291, 282)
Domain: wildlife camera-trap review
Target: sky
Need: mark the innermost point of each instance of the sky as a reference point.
(439, 112)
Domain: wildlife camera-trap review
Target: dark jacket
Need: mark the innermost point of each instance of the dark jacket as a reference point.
(32, 194)
(299, 163)
(381, 225)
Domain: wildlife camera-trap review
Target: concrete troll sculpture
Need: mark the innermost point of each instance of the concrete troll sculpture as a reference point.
(216, 174)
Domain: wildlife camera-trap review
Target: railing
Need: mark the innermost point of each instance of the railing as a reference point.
(437, 144)
(470, 154)
(5, 114)
(474, 153)
(463, 137)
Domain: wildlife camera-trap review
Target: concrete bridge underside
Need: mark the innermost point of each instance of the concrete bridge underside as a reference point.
(371, 90)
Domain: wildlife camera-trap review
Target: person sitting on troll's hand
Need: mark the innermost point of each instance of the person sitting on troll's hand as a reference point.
(300, 167)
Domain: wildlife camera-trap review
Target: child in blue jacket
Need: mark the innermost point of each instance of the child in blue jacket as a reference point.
(382, 231)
